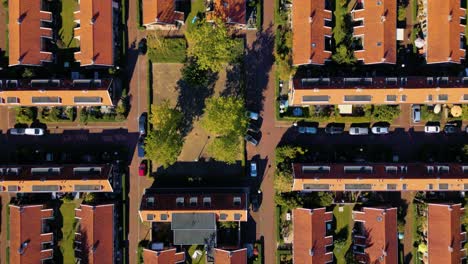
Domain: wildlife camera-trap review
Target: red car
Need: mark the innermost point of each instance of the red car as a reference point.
(142, 169)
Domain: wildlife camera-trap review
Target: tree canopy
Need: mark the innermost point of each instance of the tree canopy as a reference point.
(211, 44)
(225, 148)
(164, 117)
(225, 116)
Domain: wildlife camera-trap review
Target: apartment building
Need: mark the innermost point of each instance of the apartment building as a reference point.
(31, 237)
(238, 256)
(374, 31)
(56, 92)
(313, 239)
(162, 14)
(375, 237)
(232, 12)
(164, 256)
(380, 177)
(312, 31)
(443, 26)
(95, 239)
(56, 178)
(445, 237)
(95, 32)
(379, 90)
(29, 32)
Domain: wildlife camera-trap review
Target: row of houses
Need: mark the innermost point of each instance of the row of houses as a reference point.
(375, 29)
(375, 237)
(33, 230)
(31, 32)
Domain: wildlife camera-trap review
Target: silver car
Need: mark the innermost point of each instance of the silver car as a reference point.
(358, 131)
(432, 129)
(380, 130)
(17, 131)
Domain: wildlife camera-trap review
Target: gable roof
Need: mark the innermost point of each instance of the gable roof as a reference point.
(443, 31)
(160, 11)
(26, 227)
(310, 239)
(238, 256)
(444, 235)
(168, 256)
(379, 31)
(309, 31)
(95, 33)
(230, 11)
(26, 32)
(381, 241)
(96, 233)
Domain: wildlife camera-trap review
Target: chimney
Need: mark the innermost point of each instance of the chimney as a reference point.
(450, 18)
(383, 59)
(311, 19)
(383, 18)
(450, 249)
(449, 59)
(311, 252)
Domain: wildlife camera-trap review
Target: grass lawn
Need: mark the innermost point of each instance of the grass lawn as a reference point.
(343, 220)
(200, 260)
(66, 31)
(427, 114)
(197, 7)
(168, 50)
(67, 209)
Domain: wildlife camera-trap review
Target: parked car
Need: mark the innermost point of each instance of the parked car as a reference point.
(249, 138)
(252, 115)
(255, 203)
(307, 130)
(253, 169)
(17, 131)
(416, 113)
(142, 168)
(253, 127)
(380, 130)
(142, 121)
(451, 128)
(358, 131)
(432, 129)
(140, 147)
(34, 131)
(334, 130)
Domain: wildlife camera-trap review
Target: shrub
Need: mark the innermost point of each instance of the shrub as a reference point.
(25, 114)
(385, 112)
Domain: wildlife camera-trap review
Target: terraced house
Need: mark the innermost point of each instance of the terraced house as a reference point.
(380, 177)
(162, 14)
(232, 12)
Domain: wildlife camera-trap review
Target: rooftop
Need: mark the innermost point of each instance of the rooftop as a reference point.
(30, 241)
(194, 228)
(160, 11)
(96, 233)
(238, 256)
(29, 32)
(378, 237)
(310, 237)
(168, 256)
(230, 11)
(444, 234)
(311, 27)
(95, 33)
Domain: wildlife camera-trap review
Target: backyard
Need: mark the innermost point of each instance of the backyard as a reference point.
(200, 259)
(67, 210)
(343, 231)
(66, 32)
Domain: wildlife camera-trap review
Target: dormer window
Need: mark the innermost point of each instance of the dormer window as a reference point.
(237, 201)
(193, 201)
(180, 201)
(207, 201)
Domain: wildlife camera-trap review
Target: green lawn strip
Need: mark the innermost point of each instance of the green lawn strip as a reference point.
(259, 258)
(67, 209)
(277, 224)
(197, 7)
(412, 207)
(429, 115)
(201, 260)
(7, 255)
(260, 14)
(66, 32)
(170, 50)
(8, 222)
(344, 219)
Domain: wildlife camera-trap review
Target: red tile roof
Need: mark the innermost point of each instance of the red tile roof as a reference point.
(230, 11)
(310, 239)
(95, 33)
(443, 31)
(25, 32)
(160, 12)
(26, 226)
(444, 235)
(222, 256)
(309, 31)
(96, 233)
(167, 256)
(378, 31)
(381, 239)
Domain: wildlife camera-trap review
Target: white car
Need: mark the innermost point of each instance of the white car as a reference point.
(253, 115)
(432, 129)
(34, 131)
(253, 169)
(355, 131)
(380, 130)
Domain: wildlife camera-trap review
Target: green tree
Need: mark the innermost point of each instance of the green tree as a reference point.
(193, 75)
(25, 114)
(343, 55)
(211, 44)
(288, 200)
(287, 153)
(225, 116)
(165, 118)
(283, 182)
(28, 73)
(325, 198)
(163, 147)
(401, 13)
(228, 224)
(225, 148)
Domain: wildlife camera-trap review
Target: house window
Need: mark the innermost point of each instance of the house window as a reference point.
(430, 186)
(223, 216)
(180, 201)
(429, 98)
(13, 100)
(391, 98)
(442, 97)
(357, 98)
(237, 201)
(87, 100)
(391, 187)
(46, 100)
(164, 217)
(315, 98)
(150, 217)
(328, 23)
(45, 188)
(403, 98)
(316, 186)
(193, 201)
(207, 201)
(443, 186)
